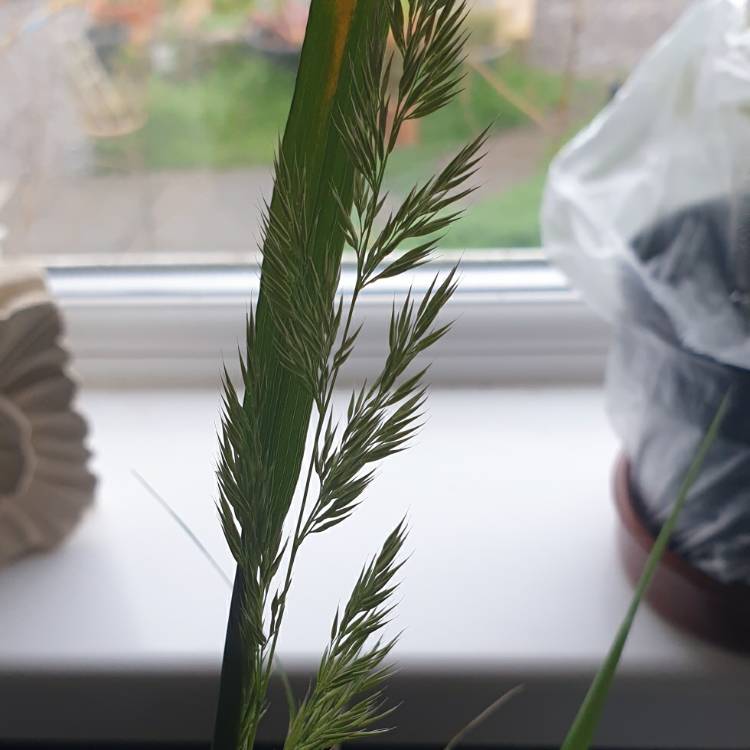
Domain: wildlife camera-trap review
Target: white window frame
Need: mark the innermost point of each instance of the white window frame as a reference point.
(517, 322)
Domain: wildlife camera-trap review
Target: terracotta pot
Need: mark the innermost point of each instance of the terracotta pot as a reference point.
(681, 593)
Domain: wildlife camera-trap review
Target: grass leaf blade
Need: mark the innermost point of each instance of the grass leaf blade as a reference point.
(334, 32)
(584, 725)
(496, 705)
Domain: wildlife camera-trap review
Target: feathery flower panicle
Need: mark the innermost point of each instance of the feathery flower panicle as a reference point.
(316, 337)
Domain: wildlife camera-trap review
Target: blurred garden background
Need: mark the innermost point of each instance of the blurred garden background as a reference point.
(145, 129)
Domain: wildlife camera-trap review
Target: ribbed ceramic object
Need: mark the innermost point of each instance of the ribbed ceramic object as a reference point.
(45, 483)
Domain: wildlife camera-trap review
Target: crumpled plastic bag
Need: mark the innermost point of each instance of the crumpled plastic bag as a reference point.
(647, 210)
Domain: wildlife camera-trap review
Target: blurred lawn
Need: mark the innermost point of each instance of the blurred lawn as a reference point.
(229, 114)
(510, 219)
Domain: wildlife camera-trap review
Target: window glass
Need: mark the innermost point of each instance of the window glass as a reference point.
(143, 130)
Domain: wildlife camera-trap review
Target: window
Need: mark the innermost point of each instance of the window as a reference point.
(136, 139)
(142, 131)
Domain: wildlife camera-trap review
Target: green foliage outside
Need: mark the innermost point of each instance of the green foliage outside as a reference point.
(229, 113)
(509, 219)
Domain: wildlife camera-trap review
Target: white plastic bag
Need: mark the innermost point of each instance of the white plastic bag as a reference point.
(648, 212)
(676, 134)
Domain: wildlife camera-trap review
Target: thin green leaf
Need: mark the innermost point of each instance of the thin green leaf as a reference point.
(284, 406)
(477, 721)
(581, 733)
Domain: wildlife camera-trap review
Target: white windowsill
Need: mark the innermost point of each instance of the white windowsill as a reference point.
(516, 321)
(514, 578)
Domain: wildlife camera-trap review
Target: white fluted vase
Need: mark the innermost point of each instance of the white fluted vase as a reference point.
(45, 482)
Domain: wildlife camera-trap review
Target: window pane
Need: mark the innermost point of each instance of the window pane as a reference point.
(143, 130)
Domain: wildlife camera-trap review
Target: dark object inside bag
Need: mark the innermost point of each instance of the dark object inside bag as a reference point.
(663, 395)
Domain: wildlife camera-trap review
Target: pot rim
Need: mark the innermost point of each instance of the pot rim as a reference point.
(681, 593)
